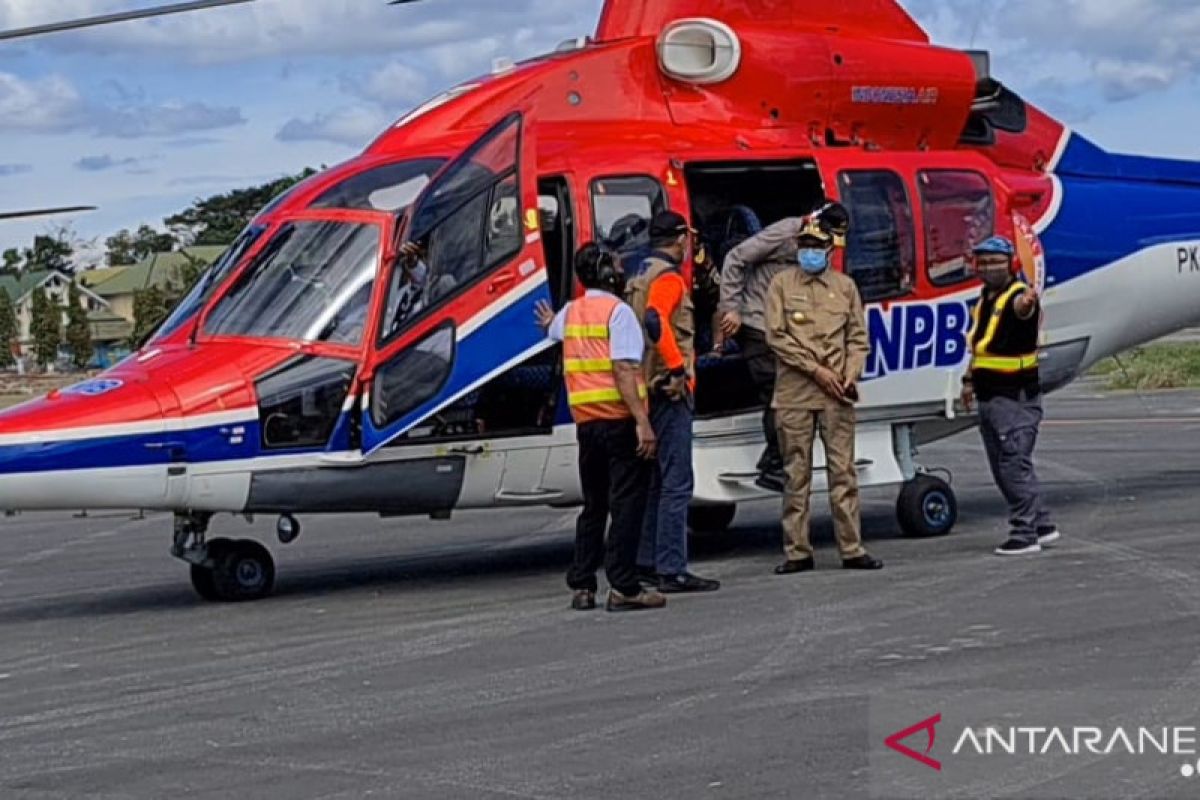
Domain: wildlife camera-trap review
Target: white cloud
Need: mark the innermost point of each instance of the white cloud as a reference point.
(395, 85)
(354, 126)
(299, 27)
(52, 104)
(39, 106)
(1123, 48)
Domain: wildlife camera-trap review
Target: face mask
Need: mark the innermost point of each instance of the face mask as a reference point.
(812, 261)
(994, 278)
(419, 273)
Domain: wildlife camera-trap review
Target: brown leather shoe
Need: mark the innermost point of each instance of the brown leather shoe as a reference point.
(644, 599)
(583, 600)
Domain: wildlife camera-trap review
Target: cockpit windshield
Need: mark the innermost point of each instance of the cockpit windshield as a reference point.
(311, 283)
(209, 281)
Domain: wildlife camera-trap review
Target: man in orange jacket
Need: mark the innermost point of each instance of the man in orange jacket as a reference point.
(662, 299)
(602, 353)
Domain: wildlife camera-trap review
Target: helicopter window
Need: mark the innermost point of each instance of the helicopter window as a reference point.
(391, 187)
(308, 283)
(622, 209)
(212, 278)
(959, 214)
(413, 377)
(468, 223)
(299, 404)
(504, 225)
(881, 250)
(486, 162)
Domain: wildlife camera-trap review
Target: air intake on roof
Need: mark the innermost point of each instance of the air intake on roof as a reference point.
(699, 51)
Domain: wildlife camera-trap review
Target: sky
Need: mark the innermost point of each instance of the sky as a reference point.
(143, 118)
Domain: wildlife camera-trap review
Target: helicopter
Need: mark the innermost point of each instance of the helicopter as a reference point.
(316, 369)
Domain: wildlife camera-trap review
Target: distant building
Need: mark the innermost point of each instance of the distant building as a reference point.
(118, 285)
(56, 284)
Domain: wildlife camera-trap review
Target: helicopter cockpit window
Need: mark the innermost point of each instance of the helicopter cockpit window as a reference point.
(959, 214)
(391, 187)
(881, 250)
(299, 403)
(311, 283)
(210, 280)
(622, 209)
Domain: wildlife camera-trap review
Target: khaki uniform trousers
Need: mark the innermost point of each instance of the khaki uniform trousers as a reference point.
(797, 432)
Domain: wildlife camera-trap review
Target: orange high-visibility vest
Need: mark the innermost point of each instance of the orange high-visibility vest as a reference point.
(587, 361)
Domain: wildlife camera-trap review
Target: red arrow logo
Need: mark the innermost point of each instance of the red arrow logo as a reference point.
(930, 727)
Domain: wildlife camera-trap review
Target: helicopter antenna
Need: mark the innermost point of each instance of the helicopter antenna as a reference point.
(121, 16)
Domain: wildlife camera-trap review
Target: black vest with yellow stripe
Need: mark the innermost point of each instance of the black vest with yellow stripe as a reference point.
(1004, 347)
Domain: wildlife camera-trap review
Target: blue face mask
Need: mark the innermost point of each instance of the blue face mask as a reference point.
(814, 262)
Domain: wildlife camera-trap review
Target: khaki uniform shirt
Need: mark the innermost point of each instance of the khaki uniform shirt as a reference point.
(814, 321)
(752, 265)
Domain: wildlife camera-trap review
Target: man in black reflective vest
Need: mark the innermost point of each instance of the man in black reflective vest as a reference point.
(1004, 378)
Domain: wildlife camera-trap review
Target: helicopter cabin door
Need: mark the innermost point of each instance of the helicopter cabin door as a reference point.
(467, 273)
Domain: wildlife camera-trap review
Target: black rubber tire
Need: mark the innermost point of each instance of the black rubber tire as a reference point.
(244, 571)
(202, 582)
(711, 518)
(202, 575)
(926, 507)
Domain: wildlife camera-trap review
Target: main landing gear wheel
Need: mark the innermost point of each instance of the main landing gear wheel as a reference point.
(711, 518)
(926, 507)
(202, 576)
(241, 570)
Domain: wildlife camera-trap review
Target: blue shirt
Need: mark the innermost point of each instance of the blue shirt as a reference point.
(625, 341)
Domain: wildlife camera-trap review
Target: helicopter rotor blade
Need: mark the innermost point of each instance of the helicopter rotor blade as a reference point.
(120, 16)
(43, 212)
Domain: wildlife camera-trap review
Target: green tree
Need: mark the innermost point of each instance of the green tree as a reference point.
(12, 261)
(50, 252)
(79, 336)
(125, 248)
(8, 330)
(219, 219)
(46, 328)
(150, 308)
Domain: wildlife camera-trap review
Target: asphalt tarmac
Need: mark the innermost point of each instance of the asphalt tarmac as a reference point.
(419, 659)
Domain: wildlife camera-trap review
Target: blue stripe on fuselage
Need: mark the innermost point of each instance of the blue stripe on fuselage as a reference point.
(1115, 206)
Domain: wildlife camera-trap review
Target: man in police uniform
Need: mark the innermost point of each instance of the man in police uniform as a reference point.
(602, 354)
(1004, 378)
(817, 330)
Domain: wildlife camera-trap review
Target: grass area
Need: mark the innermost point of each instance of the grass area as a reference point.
(9, 400)
(1156, 366)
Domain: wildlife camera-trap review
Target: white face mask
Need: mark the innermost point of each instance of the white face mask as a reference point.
(419, 273)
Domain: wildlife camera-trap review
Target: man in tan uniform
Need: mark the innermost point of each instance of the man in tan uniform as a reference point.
(816, 328)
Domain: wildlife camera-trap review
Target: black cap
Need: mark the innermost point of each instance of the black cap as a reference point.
(668, 225)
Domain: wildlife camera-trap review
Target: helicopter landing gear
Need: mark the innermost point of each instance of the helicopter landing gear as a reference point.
(926, 507)
(222, 570)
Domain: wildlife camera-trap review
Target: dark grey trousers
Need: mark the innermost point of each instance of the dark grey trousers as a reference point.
(1010, 430)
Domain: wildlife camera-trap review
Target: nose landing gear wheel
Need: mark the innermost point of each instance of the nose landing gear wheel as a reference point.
(926, 507)
(242, 570)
